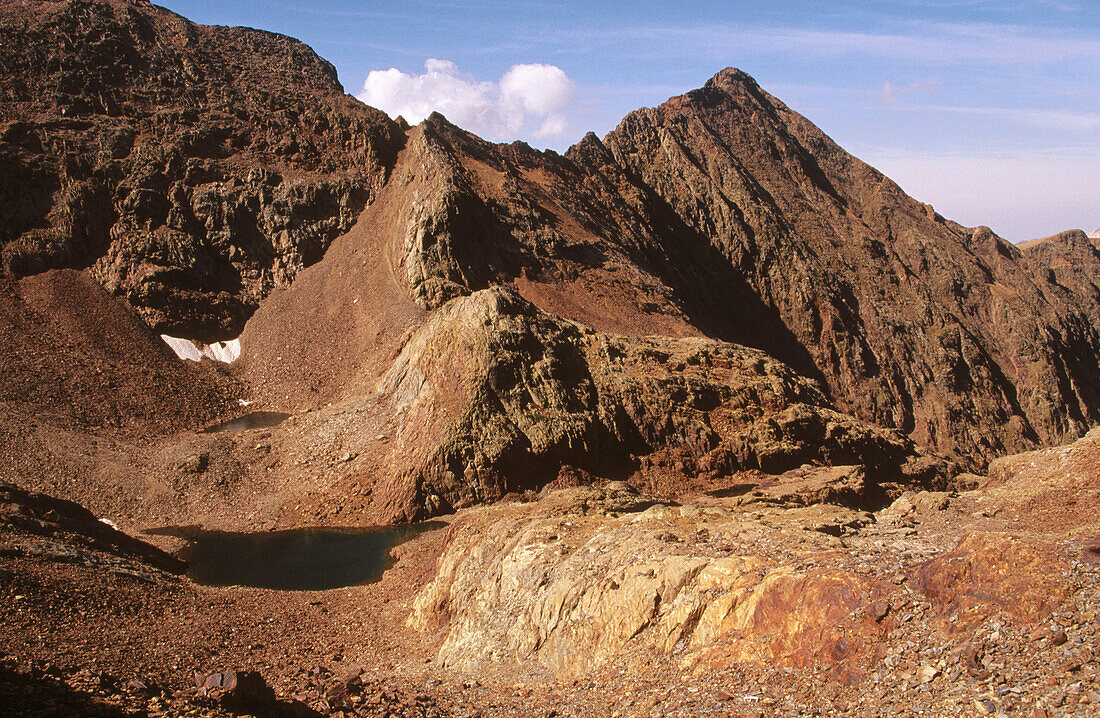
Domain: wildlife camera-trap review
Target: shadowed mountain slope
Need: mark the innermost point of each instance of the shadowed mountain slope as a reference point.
(947, 333)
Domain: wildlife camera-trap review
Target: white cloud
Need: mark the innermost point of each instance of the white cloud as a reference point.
(931, 43)
(528, 101)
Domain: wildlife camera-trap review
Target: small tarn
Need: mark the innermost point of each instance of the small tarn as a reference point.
(308, 559)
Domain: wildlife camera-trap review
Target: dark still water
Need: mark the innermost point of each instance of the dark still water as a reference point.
(296, 560)
(255, 420)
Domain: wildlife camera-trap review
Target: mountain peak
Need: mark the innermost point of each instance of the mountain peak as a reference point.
(732, 77)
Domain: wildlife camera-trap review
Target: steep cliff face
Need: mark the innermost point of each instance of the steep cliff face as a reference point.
(191, 168)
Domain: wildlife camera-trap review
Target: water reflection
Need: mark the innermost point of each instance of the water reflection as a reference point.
(309, 559)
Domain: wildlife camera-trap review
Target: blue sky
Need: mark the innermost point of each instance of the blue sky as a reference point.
(988, 110)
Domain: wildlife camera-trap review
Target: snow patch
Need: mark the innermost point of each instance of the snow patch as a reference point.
(190, 350)
(1095, 234)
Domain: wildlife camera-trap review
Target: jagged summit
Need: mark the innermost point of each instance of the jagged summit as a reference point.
(731, 77)
(731, 81)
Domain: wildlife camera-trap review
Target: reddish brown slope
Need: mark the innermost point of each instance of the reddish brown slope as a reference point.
(76, 358)
(334, 331)
(87, 388)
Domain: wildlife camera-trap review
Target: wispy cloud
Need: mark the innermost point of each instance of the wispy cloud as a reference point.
(889, 93)
(931, 43)
(313, 9)
(1054, 119)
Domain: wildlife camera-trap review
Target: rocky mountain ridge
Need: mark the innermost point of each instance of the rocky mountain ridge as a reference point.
(216, 178)
(984, 344)
(191, 169)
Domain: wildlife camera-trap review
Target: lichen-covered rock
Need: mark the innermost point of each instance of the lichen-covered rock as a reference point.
(568, 591)
(1013, 573)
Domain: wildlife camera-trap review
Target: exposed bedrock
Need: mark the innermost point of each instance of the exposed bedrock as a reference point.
(497, 396)
(584, 578)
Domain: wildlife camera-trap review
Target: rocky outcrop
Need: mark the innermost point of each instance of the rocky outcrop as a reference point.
(580, 580)
(38, 524)
(495, 396)
(931, 587)
(192, 168)
(575, 587)
(991, 569)
(1059, 486)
